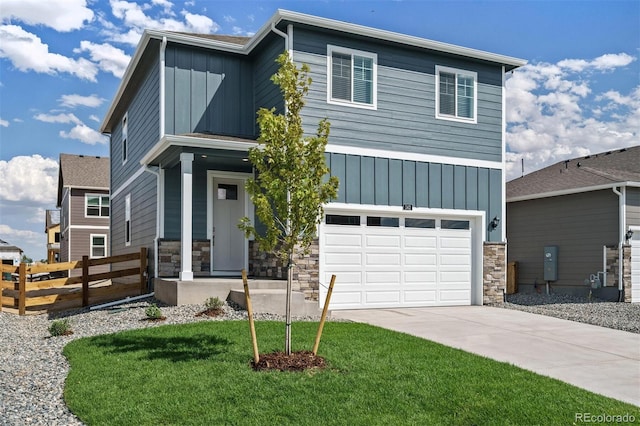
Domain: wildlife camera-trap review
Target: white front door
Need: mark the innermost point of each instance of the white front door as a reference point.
(228, 241)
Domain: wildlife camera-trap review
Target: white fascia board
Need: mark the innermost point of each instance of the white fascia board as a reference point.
(193, 142)
(412, 156)
(90, 188)
(397, 37)
(573, 191)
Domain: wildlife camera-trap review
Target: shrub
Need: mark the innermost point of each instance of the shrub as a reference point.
(153, 312)
(214, 303)
(60, 327)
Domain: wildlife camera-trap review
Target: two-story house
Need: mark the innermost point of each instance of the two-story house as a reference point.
(52, 229)
(417, 142)
(83, 200)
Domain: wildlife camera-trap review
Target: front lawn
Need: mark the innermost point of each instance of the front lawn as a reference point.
(200, 374)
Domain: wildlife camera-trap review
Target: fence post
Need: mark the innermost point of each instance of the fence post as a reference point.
(22, 288)
(143, 270)
(85, 280)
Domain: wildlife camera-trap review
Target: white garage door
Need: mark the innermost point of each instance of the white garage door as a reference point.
(635, 267)
(396, 261)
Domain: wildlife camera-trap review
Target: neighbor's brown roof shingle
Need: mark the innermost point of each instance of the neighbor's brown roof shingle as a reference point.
(621, 165)
(83, 171)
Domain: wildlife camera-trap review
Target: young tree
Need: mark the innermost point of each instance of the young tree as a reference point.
(290, 186)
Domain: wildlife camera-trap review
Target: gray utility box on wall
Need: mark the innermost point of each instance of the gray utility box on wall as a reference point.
(551, 263)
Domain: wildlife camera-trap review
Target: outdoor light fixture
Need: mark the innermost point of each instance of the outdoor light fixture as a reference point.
(628, 235)
(494, 223)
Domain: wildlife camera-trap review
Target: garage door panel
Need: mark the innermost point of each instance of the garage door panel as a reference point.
(353, 298)
(451, 277)
(455, 260)
(385, 241)
(343, 240)
(382, 297)
(351, 259)
(456, 242)
(420, 277)
(420, 241)
(344, 277)
(382, 259)
(383, 277)
(417, 296)
(457, 296)
(420, 259)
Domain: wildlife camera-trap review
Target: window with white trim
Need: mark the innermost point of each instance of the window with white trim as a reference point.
(125, 137)
(96, 205)
(352, 77)
(127, 220)
(98, 243)
(456, 94)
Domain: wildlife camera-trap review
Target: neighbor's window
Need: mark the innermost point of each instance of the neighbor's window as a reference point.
(125, 137)
(127, 220)
(98, 245)
(97, 205)
(352, 77)
(456, 94)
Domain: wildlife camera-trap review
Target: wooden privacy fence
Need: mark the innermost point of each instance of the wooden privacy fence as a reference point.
(26, 287)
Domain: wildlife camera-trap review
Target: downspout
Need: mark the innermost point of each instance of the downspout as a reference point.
(163, 47)
(622, 195)
(157, 236)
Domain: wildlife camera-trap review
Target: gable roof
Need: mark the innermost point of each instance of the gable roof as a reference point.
(604, 170)
(52, 218)
(245, 46)
(82, 171)
(6, 247)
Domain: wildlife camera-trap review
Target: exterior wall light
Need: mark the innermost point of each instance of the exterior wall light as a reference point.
(628, 235)
(494, 223)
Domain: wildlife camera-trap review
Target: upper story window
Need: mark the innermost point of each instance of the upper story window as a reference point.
(96, 205)
(98, 243)
(125, 137)
(352, 77)
(456, 94)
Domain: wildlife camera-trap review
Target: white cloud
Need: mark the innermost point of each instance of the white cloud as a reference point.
(31, 178)
(137, 19)
(94, 118)
(72, 101)
(27, 52)
(4, 123)
(109, 58)
(553, 113)
(30, 242)
(85, 134)
(58, 118)
(61, 15)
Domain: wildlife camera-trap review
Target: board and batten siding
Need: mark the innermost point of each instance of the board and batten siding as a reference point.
(267, 94)
(405, 116)
(208, 92)
(392, 182)
(633, 206)
(579, 224)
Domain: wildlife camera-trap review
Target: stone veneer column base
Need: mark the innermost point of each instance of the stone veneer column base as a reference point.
(305, 273)
(494, 273)
(169, 257)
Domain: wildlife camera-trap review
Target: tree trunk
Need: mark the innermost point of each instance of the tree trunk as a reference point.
(287, 334)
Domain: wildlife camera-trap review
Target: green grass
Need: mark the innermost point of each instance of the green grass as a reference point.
(200, 374)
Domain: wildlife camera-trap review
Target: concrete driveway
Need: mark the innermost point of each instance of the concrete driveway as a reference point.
(598, 359)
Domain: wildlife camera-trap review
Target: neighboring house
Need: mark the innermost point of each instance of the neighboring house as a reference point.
(589, 208)
(83, 199)
(10, 254)
(52, 229)
(417, 142)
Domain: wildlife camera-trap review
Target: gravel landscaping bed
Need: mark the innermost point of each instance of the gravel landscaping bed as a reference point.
(33, 369)
(620, 316)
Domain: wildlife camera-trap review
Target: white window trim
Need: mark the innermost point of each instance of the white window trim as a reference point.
(127, 218)
(347, 51)
(91, 246)
(86, 204)
(124, 143)
(457, 72)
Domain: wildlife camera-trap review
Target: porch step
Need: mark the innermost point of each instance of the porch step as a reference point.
(273, 301)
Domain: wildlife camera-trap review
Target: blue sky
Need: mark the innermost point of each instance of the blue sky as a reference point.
(61, 63)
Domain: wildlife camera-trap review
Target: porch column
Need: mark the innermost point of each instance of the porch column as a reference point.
(186, 218)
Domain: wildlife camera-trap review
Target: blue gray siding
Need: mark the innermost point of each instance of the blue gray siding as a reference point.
(208, 91)
(391, 182)
(405, 116)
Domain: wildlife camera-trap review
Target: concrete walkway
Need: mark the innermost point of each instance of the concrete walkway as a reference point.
(598, 359)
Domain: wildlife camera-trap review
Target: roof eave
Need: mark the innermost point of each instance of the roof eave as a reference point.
(572, 191)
